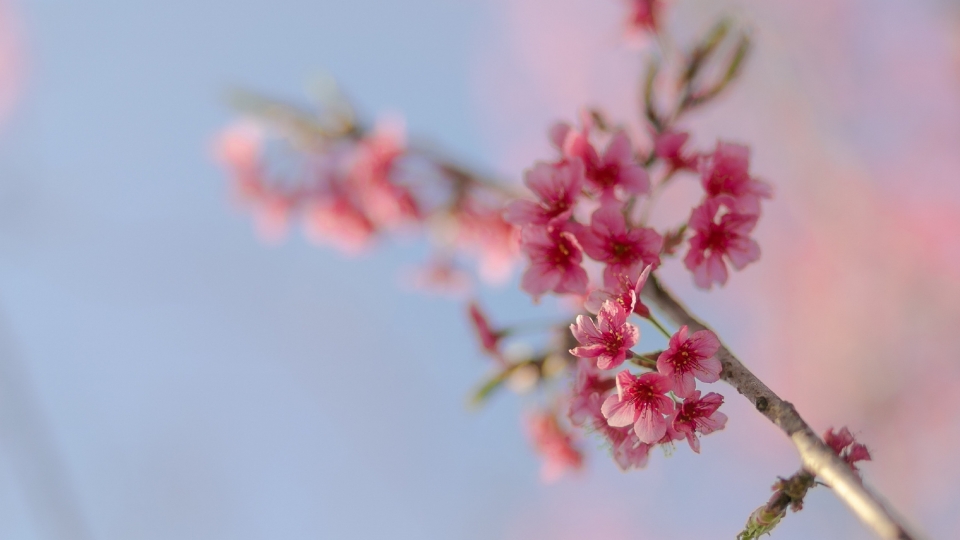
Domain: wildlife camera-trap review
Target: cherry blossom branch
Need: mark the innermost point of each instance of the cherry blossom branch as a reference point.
(816, 456)
(354, 184)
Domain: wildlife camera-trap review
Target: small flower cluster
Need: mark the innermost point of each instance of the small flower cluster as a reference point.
(588, 205)
(613, 183)
(554, 444)
(650, 409)
(726, 216)
(352, 186)
(585, 236)
(346, 191)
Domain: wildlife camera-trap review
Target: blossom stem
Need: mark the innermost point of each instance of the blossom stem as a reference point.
(458, 172)
(648, 360)
(525, 327)
(815, 455)
(653, 320)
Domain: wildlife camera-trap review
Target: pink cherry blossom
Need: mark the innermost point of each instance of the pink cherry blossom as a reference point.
(338, 221)
(713, 242)
(389, 204)
(555, 257)
(626, 292)
(615, 168)
(843, 443)
(609, 339)
(375, 156)
(238, 147)
(590, 383)
(439, 275)
(553, 444)
(725, 172)
(484, 234)
(557, 187)
(373, 178)
(699, 415)
(627, 450)
(558, 134)
(669, 146)
(272, 214)
(630, 453)
(640, 401)
(625, 250)
(689, 358)
(489, 339)
(644, 15)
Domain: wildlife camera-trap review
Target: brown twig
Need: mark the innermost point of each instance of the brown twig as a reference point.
(815, 456)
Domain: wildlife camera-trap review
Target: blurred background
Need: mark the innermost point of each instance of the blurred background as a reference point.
(163, 374)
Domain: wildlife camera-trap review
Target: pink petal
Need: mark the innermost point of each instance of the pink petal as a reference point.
(589, 351)
(659, 384)
(635, 180)
(642, 280)
(701, 277)
(574, 281)
(684, 384)
(624, 379)
(716, 269)
(702, 216)
(631, 454)
(538, 279)
(619, 150)
(704, 343)
(593, 244)
(708, 370)
(558, 134)
(585, 330)
(631, 335)
(694, 441)
(608, 220)
(595, 300)
(715, 422)
(609, 361)
(858, 452)
(618, 413)
(522, 212)
(541, 179)
(612, 315)
(650, 426)
(665, 363)
(576, 145)
(744, 253)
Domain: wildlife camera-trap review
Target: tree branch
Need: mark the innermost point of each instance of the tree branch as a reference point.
(816, 456)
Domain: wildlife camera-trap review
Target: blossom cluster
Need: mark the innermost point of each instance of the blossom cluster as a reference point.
(586, 214)
(351, 187)
(583, 232)
(640, 411)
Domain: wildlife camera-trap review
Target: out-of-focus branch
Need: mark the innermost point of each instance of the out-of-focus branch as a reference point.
(816, 456)
(30, 447)
(458, 172)
(313, 129)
